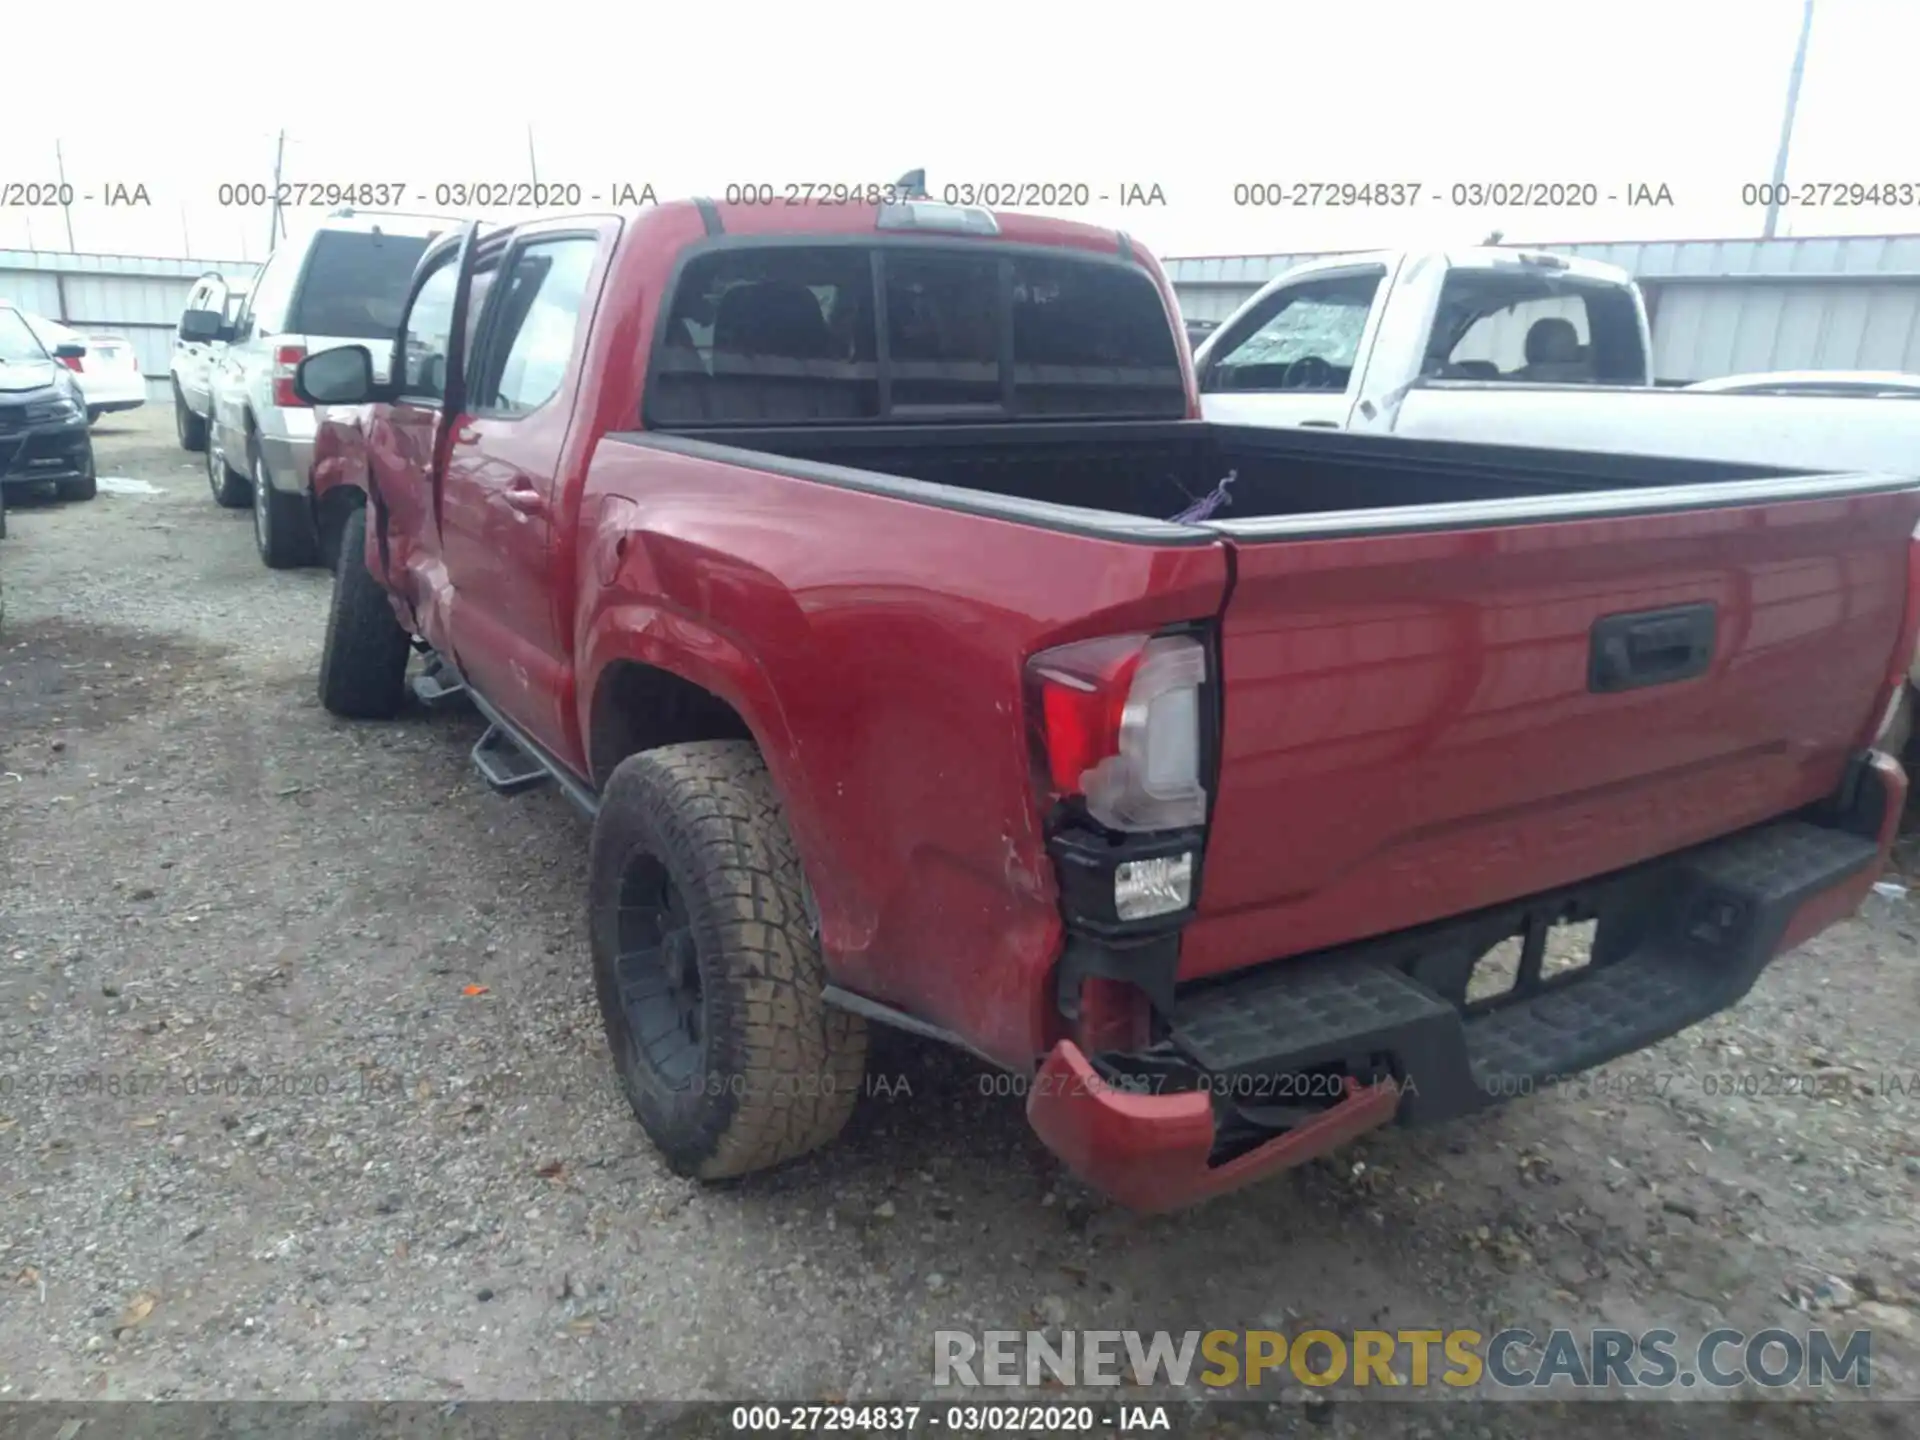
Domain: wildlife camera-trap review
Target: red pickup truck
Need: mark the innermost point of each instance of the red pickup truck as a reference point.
(866, 573)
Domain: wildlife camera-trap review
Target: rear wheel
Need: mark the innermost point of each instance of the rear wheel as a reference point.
(189, 427)
(282, 526)
(363, 662)
(708, 969)
(229, 486)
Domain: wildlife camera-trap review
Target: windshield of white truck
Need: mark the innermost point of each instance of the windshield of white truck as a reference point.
(1303, 337)
(785, 334)
(1531, 329)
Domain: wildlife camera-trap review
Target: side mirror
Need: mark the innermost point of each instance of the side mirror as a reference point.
(340, 376)
(202, 326)
(69, 352)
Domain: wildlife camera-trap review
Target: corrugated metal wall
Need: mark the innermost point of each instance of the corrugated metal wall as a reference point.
(1705, 330)
(131, 295)
(1719, 307)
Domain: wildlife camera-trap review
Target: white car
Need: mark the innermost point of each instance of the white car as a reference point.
(109, 372)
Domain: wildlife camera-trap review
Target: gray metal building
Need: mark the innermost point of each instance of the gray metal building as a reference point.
(1718, 307)
(132, 295)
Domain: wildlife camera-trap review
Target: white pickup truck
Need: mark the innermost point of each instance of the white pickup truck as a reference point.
(1516, 346)
(1521, 346)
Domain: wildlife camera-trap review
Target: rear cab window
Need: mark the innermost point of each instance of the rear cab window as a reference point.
(806, 333)
(1527, 327)
(355, 284)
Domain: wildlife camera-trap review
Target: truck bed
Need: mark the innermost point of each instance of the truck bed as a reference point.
(1800, 431)
(1155, 469)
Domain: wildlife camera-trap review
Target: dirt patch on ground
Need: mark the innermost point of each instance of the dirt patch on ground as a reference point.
(59, 675)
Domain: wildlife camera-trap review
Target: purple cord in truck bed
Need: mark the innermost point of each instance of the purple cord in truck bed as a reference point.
(1203, 508)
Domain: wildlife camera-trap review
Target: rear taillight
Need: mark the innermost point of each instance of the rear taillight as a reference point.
(72, 362)
(286, 359)
(1119, 728)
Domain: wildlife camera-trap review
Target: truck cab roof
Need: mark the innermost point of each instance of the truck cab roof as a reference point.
(1470, 257)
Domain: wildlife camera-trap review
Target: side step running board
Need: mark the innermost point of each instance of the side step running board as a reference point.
(504, 765)
(507, 761)
(438, 684)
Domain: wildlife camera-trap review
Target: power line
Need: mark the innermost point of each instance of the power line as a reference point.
(1786, 122)
(274, 226)
(66, 209)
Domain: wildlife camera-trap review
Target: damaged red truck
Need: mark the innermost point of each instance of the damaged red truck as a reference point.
(823, 555)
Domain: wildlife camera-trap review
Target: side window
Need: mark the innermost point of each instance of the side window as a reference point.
(539, 298)
(1533, 329)
(427, 333)
(482, 286)
(265, 310)
(1307, 339)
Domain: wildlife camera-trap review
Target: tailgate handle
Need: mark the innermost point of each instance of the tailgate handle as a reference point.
(1650, 647)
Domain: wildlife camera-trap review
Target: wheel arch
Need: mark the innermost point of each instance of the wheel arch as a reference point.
(639, 706)
(648, 679)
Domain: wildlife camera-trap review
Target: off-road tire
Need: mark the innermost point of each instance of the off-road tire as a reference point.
(331, 525)
(190, 429)
(782, 1068)
(231, 490)
(363, 662)
(282, 523)
(84, 488)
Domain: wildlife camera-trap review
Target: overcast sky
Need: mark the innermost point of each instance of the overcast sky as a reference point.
(1192, 98)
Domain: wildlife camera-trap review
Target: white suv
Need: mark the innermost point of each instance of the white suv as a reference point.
(191, 364)
(344, 283)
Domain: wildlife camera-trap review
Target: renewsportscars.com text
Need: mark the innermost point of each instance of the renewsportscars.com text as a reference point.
(1512, 1359)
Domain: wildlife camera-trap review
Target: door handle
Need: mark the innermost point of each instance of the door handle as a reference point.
(1652, 647)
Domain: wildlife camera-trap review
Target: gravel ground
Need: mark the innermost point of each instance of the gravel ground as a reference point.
(404, 1189)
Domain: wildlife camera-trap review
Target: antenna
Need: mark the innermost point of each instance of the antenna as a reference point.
(913, 184)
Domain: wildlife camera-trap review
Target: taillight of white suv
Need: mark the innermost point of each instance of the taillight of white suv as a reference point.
(286, 359)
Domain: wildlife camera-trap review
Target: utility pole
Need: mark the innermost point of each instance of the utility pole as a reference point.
(60, 164)
(533, 166)
(1786, 123)
(279, 153)
(186, 239)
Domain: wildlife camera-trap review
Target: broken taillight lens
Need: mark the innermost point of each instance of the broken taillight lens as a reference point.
(1118, 724)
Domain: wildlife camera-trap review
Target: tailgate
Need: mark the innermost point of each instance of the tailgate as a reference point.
(1415, 723)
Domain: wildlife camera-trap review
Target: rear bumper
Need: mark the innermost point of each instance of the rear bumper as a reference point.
(1354, 1038)
(113, 391)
